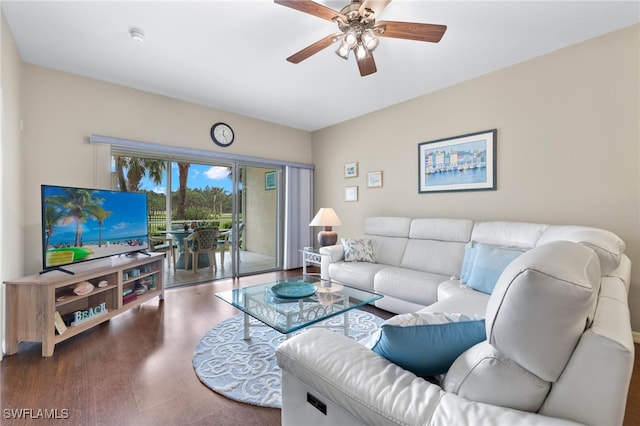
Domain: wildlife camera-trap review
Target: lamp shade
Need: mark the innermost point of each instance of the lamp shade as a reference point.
(327, 218)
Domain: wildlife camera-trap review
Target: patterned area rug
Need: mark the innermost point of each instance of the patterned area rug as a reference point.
(246, 370)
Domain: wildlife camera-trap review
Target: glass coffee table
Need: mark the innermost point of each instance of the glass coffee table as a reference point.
(294, 303)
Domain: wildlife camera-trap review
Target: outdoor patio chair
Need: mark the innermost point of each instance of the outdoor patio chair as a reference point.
(202, 240)
(164, 244)
(226, 239)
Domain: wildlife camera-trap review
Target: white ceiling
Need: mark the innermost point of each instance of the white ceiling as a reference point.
(231, 55)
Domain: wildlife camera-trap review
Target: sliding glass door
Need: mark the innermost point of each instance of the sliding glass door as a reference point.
(201, 197)
(258, 247)
(241, 200)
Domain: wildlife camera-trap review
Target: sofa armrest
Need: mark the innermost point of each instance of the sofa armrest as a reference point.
(330, 254)
(376, 391)
(334, 253)
(367, 386)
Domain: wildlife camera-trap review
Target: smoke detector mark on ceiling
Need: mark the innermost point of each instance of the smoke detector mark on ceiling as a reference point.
(137, 34)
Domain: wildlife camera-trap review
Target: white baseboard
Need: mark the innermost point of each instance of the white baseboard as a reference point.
(636, 336)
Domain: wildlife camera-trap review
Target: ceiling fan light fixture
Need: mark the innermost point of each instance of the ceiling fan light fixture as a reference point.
(361, 51)
(351, 38)
(369, 40)
(343, 50)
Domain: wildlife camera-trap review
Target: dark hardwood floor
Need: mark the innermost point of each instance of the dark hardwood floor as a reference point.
(134, 369)
(137, 369)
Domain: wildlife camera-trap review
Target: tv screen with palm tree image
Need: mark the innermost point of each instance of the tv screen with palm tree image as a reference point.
(81, 224)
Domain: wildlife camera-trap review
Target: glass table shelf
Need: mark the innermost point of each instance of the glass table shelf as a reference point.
(287, 315)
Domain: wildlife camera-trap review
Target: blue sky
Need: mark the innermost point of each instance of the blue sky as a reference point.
(200, 176)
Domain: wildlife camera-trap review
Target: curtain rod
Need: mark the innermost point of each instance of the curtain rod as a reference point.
(156, 148)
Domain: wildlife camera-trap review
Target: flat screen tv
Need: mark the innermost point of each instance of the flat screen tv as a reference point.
(81, 224)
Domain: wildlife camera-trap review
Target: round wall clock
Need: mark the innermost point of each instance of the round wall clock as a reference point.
(222, 134)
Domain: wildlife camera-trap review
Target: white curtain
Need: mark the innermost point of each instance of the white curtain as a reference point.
(298, 214)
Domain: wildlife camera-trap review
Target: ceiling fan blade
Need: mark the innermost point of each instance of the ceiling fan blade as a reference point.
(376, 6)
(412, 31)
(367, 65)
(314, 48)
(312, 8)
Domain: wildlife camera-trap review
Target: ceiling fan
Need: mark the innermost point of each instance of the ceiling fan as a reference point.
(359, 30)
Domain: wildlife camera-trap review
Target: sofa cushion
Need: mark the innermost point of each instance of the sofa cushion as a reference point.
(398, 306)
(510, 234)
(388, 250)
(488, 262)
(427, 343)
(483, 374)
(387, 226)
(540, 306)
(458, 230)
(360, 250)
(453, 296)
(406, 284)
(437, 245)
(607, 245)
(438, 257)
(355, 274)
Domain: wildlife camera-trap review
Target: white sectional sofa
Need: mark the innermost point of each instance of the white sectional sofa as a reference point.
(558, 346)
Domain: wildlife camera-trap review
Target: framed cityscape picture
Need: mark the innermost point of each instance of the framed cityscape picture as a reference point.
(460, 163)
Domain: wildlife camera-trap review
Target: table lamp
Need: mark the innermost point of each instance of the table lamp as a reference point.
(326, 217)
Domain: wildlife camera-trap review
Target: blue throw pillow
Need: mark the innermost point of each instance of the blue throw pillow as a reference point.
(488, 264)
(470, 251)
(427, 343)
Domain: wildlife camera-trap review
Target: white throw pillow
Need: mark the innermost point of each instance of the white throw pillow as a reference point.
(360, 250)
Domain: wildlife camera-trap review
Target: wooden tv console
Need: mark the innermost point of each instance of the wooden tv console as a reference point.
(32, 302)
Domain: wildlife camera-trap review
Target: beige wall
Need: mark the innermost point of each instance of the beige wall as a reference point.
(568, 146)
(61, 111)
(11, 173)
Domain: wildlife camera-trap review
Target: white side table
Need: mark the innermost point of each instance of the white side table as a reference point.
(311, 256)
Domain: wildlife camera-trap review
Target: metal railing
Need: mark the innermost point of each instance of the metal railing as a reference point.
(158, 222)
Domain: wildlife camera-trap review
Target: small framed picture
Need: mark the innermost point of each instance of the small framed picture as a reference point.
(351, 170)
(270, 180)
(351, 193)
(374, 179)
